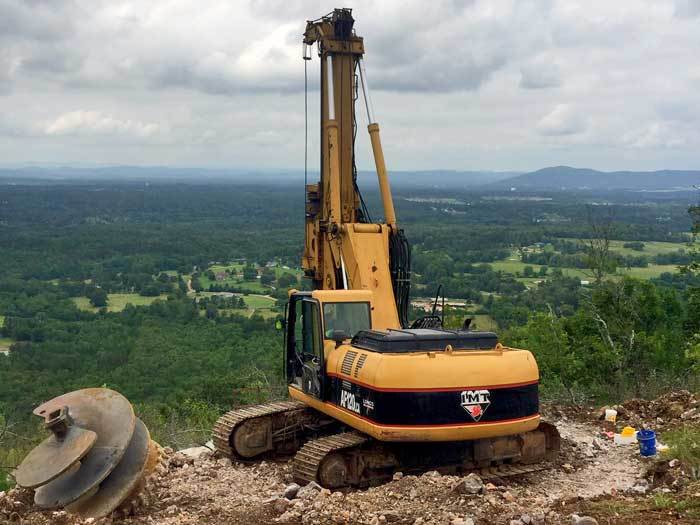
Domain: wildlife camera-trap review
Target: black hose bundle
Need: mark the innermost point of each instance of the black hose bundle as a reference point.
(400, 267)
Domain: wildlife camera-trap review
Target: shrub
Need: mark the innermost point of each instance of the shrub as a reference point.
(684, 445)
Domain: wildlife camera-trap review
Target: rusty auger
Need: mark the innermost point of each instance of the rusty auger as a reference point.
(97, 458)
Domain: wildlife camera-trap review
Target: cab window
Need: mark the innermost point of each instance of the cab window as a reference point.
(307, 329)
(348, 317)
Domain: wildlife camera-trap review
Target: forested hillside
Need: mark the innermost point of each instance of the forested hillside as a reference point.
(168, 292)
(566, 177)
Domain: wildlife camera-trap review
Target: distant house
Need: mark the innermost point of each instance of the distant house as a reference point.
(221, 276)
(427, 304)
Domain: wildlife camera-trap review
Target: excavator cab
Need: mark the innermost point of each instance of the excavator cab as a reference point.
(303, 344)
(317, 322)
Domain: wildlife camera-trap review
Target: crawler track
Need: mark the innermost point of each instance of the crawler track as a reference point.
(352, 459)
(307, 462)
(228, 423)
(336, 459)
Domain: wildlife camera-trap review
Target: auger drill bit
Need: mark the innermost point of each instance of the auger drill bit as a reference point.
(96, 458)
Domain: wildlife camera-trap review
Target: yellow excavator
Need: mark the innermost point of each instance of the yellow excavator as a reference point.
(370, 393)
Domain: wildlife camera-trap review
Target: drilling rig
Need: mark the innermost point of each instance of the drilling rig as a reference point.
(372, 394)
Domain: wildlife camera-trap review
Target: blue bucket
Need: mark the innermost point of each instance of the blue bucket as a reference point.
(647, 442)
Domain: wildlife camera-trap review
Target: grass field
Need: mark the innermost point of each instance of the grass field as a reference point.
(261, 305)
(116, 302)
(651, 248)
(279, 271)
(530, 282)
(5, 343)
(653, 270)
(235, 280)
(258, 301)
(265, 313)
(484, 322)
(255, 304)
(252, 286)
(233, 267)
(513, 267)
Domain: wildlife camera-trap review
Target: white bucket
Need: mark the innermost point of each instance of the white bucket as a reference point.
(610, 415)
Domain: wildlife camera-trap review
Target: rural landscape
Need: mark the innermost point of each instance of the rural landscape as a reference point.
(164, 291)
(389, 263)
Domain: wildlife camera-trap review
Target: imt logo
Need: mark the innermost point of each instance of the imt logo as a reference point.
(475, 402)
(347, 400)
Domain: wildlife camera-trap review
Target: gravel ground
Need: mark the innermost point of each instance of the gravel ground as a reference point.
(210, 490)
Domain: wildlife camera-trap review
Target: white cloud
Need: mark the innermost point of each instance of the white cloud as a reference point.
(11, 127)
(456, 84)
(540, 73)
(562, 120)
(95, 123)
(663, 135)
(6, 69)
(39, 20)
(687, 8)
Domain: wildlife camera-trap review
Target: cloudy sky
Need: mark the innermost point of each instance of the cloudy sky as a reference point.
(497, 85)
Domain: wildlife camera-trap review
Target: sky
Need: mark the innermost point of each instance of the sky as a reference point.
(465, 85)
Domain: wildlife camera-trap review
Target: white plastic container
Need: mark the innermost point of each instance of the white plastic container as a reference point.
(610, 415)
(628, 436)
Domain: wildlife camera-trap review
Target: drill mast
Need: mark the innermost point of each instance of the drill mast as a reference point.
(343, 249)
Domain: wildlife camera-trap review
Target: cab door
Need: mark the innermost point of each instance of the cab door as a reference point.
(305, 345)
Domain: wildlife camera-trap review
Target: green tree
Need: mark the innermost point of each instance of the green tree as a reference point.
(150, 290)
(545, 335)
(598, 256)
(195, 283)
(249, 272)
(98, 297)
(211, 312)
(267, 277)
(287, 280)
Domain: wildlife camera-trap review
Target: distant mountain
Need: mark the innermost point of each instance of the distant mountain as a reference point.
(554, 178)
(440, 178)
(426, 178)
(568, 178)
(132, 173)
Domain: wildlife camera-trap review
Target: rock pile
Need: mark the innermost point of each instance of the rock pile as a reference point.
(665, 411)
(197, 487)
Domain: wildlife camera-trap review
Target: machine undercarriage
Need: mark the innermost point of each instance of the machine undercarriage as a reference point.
(337, 457)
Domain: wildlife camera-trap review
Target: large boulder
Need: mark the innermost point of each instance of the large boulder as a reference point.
(291, 491)
(309, 491)
(472, 484)
(196, 452)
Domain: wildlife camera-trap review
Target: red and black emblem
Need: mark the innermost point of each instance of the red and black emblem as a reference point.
(475, 402)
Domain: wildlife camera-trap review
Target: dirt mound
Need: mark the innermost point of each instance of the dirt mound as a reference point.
(668, 410)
